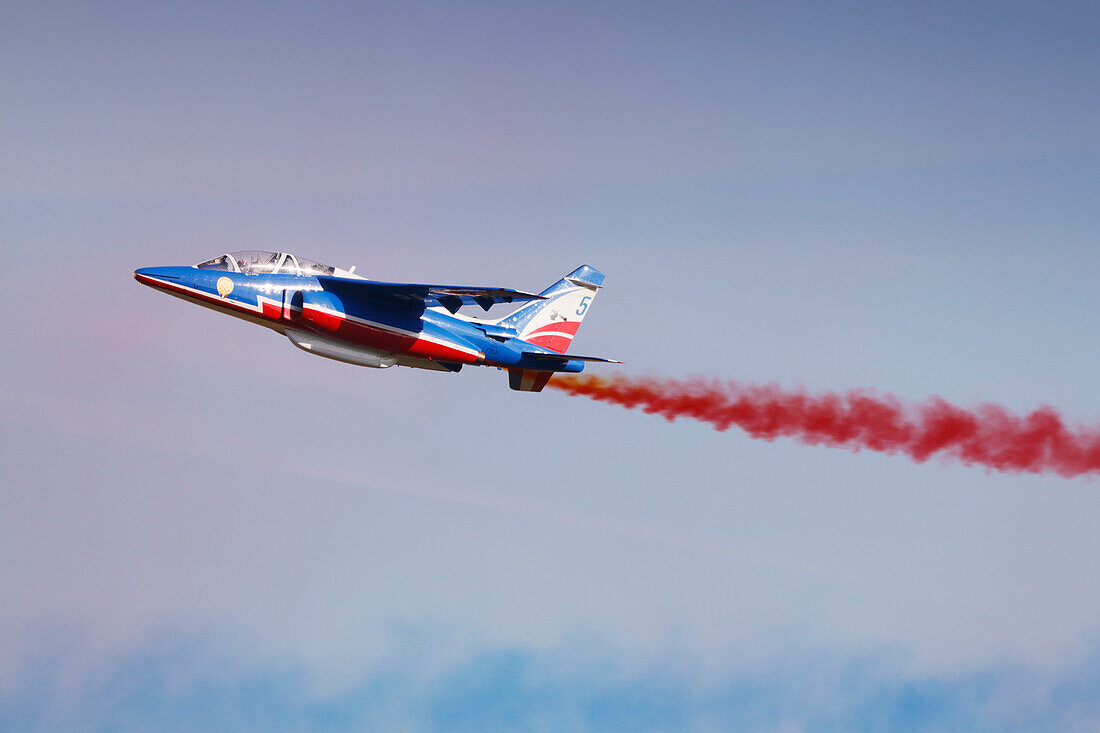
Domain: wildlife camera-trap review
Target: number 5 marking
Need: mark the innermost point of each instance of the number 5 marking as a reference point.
(584, 305)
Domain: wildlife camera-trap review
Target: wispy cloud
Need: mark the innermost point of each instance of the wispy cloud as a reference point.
(200, 679)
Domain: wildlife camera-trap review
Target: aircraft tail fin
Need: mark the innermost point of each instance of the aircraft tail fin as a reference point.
(553, 322)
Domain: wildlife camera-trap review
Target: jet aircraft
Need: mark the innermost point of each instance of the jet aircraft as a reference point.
(337, 314)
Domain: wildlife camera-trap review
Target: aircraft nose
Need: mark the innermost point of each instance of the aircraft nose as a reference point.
(154, 275)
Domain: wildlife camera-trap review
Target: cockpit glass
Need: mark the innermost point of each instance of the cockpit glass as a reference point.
(289, 266)
(224, 262)
(262, 262)
(309, 267)
(257, 261)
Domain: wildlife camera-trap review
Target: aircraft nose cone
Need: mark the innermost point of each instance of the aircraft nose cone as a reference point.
(154, 275)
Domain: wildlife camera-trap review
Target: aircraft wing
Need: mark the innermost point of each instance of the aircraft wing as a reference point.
(451, 297)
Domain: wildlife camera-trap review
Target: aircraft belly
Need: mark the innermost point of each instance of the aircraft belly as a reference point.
(373, 336)
(435, 366)
(428, 342)
(444, 349)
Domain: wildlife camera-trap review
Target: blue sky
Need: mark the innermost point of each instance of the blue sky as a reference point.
(194, 679)
(201, 525)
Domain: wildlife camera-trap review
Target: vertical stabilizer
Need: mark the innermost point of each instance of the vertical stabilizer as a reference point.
(552, 323)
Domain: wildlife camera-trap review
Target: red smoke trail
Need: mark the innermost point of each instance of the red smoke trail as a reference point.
(988, 435)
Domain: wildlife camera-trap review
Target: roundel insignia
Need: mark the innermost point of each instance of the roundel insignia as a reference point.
(225, 286)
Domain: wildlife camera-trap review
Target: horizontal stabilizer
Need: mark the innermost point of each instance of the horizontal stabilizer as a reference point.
(562, 358)
(451, 297)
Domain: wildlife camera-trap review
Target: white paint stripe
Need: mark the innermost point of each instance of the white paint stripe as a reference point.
(450, 345)
(258, 308)
(563, 334)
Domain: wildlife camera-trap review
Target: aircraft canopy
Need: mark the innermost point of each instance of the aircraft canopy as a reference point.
(268, 263)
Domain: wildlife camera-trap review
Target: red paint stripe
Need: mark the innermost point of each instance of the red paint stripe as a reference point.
(553, 342)
(432, 350)
(565, 326)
